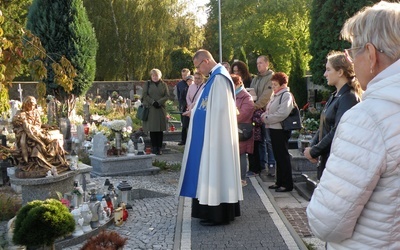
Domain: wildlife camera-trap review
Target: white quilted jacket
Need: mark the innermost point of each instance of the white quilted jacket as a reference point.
(357, 202)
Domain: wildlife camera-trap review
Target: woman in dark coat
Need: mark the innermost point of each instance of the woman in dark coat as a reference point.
(155, 94)
(245, 107)
(339, 73)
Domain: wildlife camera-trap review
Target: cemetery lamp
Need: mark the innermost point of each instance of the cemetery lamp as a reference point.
(124, 187)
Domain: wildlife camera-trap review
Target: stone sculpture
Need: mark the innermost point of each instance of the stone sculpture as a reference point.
(38, 148)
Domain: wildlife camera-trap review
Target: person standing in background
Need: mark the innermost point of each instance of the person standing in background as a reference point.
(184, 105)
(278, 109)
(245, 107)
(155, 94)
(356, 204)
(262, 86)
(241, 69)
(227, 66)
(194, 90)
(210, 172)
(180, 87)
(339, 73)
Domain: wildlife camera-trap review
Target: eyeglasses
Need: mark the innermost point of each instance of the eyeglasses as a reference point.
(198, 66)
(352, 52)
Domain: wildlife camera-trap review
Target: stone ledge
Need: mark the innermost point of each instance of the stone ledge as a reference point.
(123, 165)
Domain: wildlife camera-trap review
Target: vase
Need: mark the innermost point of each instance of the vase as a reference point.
(118, 141)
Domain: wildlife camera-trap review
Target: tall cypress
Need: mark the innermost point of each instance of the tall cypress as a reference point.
(327, 19)
(65, 30)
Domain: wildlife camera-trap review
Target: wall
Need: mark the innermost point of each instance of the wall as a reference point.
(103, 88)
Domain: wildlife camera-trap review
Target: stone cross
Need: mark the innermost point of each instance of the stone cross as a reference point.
(20, 92)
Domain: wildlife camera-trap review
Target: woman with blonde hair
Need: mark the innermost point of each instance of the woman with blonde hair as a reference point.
(155, 94)
(339, 73)
(356, 203)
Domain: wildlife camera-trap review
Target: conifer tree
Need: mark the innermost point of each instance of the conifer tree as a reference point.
(327, 19)
(65, 31)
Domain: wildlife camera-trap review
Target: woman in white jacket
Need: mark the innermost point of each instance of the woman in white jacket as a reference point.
(357, 202)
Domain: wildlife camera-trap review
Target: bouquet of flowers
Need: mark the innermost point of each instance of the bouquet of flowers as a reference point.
(117, 125)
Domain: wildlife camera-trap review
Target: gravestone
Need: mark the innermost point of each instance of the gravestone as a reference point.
(100, 145)
(14, 107)
(131, 94)
(128, 104)
(80, 132)
(109, 105)
(86, 112)
(129, 121)
(123, 165)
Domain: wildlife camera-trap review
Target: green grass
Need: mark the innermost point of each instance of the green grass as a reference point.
(9, 206)
(163, 165)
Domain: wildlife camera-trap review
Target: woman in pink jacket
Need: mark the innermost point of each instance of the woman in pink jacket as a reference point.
(245, 107)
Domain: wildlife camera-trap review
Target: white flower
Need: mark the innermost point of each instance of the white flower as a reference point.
(117, 125)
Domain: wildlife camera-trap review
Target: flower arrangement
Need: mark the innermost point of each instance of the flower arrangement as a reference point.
(110, 129)
(310, 125)
(117, 125)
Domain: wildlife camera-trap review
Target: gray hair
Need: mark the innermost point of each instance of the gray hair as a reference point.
(379, 25)
(157, 72)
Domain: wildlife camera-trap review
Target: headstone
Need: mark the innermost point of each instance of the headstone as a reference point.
(100, 145)
(131, 94)
(109, 104)
(128, 104)
(80, 132)
(137, 104)
(86, 112)
(129, 121)
(14, 107)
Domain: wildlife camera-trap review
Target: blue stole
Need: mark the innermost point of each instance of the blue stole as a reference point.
(191, 176)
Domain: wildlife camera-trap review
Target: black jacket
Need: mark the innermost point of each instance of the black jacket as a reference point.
(334, 108)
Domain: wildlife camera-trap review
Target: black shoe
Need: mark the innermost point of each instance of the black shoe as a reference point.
(274, 186)
(181, 143)
(159, 152)
(282, 189)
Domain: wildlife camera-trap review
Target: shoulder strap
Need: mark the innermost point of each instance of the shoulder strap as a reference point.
(294, 101)
(280, 99)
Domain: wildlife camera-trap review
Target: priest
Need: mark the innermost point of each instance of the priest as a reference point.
(210, 171)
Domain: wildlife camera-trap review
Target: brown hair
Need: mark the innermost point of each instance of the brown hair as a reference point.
(280, 77)
(339, 61)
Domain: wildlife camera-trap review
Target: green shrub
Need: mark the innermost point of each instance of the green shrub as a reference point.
(40, 223)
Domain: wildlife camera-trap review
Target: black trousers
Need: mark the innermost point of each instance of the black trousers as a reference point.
(185, 125)
(254, 159)
(156, 139)
(280, 146)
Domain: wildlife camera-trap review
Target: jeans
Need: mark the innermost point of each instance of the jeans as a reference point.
(265, 149)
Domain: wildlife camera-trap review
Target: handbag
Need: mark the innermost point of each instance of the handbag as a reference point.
(143, 111)
(293, 121)
(245, 131)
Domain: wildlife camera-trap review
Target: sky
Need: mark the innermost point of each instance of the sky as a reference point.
(199, 9)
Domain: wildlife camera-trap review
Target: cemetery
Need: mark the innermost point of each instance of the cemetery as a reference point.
(94, 146)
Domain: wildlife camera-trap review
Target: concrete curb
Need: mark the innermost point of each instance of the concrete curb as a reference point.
(289, 226)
